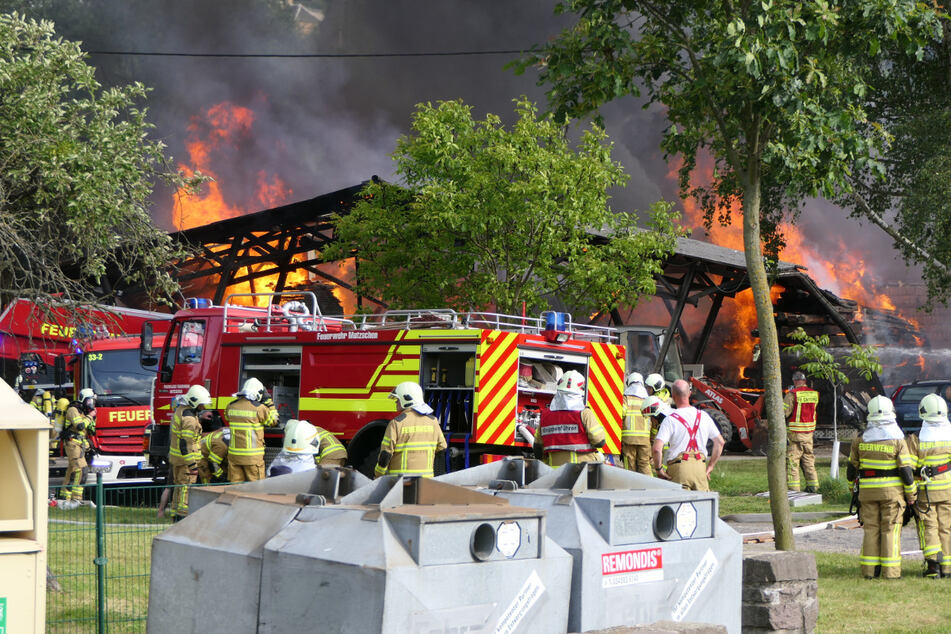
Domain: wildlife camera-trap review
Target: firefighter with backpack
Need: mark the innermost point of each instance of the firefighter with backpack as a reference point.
(931, 450)
(79, 424)
(880, 462)
(635, 436)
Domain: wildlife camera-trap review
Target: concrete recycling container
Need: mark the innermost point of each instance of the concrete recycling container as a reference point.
(397, 555)
(644, 549)
(323, 485)
(206, 569)
(415, 555)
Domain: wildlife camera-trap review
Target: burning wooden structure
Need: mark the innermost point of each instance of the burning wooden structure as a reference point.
(279, 249)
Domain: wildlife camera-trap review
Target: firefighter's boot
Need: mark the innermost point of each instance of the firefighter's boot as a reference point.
(932, 570)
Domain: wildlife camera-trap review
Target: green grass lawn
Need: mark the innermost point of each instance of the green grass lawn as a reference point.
(848, 603)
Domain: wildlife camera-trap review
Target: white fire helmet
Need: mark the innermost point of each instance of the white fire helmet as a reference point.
(572, 382)
(655, 382)
(253, 389)
(300, 437)
(880, 409)
(653, 405)
(933, 409)
(197, 395)
(407, 394)
(634, 377)
(86, 392)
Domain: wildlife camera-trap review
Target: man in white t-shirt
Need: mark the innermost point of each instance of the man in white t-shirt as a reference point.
(687, 431)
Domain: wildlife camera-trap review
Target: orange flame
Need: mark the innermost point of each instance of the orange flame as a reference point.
(216, 132)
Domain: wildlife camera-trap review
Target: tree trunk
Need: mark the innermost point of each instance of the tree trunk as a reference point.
(769, 348)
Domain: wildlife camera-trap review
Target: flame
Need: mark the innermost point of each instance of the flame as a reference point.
(219, 132)
(842, 271)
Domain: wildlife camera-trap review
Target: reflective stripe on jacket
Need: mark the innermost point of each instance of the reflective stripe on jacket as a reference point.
(329, 448)
(801, 410)
(637, 429)
(184, 438)
(412, 440)
(881, 455)
(214, 449)
(933, 454)
(247, 420)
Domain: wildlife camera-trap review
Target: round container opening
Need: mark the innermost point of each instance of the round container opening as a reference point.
(664, 522)
(482, 542)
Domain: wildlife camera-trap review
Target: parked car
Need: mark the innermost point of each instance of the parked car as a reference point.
(907, 396)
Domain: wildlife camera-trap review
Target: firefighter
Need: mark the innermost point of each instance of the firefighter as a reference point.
(297, 454)
(412, 438)
(931, 450)
(213, 466)
(800, 404)
(656, 386)
(881, 463)
(79, 424)
(330, 451)
(569, 431)
(635, 437)
(687, 430)
(248, 415)
(184, 449)
(59, 422)
(42, 402)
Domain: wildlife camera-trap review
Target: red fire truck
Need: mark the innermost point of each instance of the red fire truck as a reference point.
(31, 339)
(481, 372)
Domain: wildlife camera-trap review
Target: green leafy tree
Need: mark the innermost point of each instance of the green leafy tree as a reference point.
(910, 99)
(821, 364)
(494, 218)
(771, 92)
(76, 172)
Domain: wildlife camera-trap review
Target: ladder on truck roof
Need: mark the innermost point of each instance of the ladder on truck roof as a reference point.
(447, 318)
(297, 315)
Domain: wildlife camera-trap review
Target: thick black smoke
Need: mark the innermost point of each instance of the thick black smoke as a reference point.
(324, 124)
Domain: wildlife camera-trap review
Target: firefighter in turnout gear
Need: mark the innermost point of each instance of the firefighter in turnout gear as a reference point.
(59, 423)
(213, 466)
(931, 450)
(800, 404)
(184, 450)
(80, 423)
(635, 437)
(412, 438)
(656, 386)
(881, 463)
(569, 430)
(330, 451)
(687, 429)
(248, 415)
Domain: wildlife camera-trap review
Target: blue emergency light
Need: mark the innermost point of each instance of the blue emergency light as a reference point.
(556, 330)
(193, 303)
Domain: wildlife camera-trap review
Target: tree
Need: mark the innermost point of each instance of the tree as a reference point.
(821, 364)
(770, 91)
(910, 99)
(75, 175)
(497, 218)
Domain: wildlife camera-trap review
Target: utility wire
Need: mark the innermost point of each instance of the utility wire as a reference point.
(309, 55)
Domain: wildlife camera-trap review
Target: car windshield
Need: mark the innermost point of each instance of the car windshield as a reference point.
(116, 374)
(914, 393)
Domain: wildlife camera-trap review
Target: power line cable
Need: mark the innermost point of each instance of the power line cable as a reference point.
(309, 55)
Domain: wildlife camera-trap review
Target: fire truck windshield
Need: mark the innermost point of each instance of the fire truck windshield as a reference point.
(116, 377)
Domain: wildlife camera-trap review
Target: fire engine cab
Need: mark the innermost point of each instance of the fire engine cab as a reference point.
(482, 373)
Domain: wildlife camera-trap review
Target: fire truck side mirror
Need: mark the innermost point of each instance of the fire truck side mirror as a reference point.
(148, 356)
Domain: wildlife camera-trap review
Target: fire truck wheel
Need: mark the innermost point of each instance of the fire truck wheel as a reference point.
(368, 464)
(726, 427)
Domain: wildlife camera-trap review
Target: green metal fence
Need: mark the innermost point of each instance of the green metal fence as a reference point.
(98, 580)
